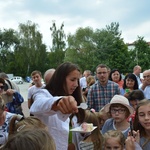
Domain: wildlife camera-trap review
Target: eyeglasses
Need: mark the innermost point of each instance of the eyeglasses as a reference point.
(120, 111)
(148, 76)
(101, 73)
(1, 87)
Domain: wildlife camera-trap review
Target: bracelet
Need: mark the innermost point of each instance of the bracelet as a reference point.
(58, 101)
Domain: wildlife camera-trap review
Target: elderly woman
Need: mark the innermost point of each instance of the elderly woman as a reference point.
(4, 116)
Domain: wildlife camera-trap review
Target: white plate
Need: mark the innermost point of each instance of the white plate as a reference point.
(79, 129)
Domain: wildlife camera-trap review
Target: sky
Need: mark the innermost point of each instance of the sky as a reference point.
(133, 16)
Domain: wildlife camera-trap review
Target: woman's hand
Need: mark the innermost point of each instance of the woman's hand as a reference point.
(66, 105)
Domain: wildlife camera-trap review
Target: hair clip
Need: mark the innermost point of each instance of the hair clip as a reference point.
(92, 110)
(21, 127)
(19, 117)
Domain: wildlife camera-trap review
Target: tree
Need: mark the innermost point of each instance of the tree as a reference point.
(8, 42)
(110, 48)
(56, 56)
(81, 47)
(88, 48)
(31, 53)
(8, 39)
(58, 37)
(141, 53)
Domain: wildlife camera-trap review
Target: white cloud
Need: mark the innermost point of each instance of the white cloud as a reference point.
(131, 16)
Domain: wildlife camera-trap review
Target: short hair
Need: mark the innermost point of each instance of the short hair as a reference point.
(30, 139)
(114, 70)
(136, 67)
(3, 75)
(115, 134)
(49, 71)
(102, 66)
(36, 72)
(87, 71)
(136, 95)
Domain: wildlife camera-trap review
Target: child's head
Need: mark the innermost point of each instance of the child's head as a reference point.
(119, 108)
(90, 80)
(30, 139)
(114, 139)
(91, 117)
(102, 116)
(36, 76)
(142, 117)
(95, 136)
(17, 125)
(134, 97)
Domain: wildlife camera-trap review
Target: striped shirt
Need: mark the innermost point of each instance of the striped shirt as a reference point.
(98, 96)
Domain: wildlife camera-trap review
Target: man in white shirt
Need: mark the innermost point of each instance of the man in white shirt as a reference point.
(136, 72)
(145, 86)
(83, 82)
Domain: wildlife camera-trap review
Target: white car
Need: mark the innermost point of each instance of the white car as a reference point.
(17, 79)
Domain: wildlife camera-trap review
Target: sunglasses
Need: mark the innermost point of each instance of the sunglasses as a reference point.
(1, 87)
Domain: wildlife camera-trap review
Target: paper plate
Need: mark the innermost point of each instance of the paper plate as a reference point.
(79, 129)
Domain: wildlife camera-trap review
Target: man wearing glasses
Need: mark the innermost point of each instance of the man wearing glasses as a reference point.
(145, 86)
(103, 90)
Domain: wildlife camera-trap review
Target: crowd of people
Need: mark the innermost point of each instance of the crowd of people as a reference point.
(118, 108)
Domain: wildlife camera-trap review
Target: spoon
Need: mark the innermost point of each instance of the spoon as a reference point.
(83, 106)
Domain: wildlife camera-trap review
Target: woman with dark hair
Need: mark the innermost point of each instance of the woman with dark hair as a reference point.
(115, 76)
(130, 84)
(54, 104)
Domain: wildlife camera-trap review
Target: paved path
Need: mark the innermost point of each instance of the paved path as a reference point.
(24, 91)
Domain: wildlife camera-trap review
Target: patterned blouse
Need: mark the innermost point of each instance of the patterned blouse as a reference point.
(4, 128)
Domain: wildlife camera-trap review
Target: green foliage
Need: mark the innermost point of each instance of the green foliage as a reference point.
(23, 51)
(88, 48)
(56, 56)
(31, 53)
(141, 53)
(8, 39)
(81, 47)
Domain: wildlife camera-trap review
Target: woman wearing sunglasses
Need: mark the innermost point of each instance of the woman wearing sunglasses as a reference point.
(4, 116)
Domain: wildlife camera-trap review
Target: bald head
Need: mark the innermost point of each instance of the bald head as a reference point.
(137, 70)
(86, 73)
(48, 74)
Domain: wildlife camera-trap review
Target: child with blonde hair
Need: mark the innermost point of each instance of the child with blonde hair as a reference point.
(30, 139)
(114, 139)
(103, 116)
(31, 122)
